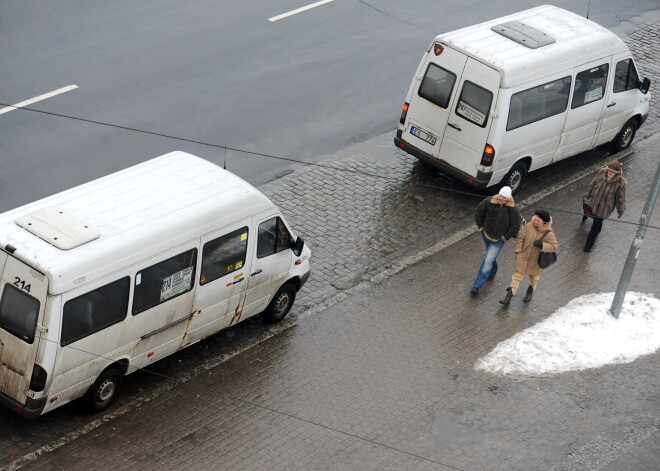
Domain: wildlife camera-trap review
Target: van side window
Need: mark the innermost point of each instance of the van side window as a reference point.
(18, 313)
(537, 103)
(625, 76)
(590, 85)
(224, 255)
(164, 281)
(94, 311)
(474, 103)
(437, 85)
(273, 237)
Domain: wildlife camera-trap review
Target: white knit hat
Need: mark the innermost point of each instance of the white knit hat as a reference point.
(505, 191)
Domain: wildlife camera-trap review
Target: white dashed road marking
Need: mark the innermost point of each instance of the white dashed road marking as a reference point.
(59, 91)
(299, 10)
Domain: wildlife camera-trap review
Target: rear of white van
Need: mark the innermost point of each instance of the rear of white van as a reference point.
(452, 96)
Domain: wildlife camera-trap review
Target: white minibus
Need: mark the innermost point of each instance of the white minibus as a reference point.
(113, 275)
(494, 101)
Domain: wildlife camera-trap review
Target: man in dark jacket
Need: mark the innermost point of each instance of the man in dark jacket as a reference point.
(498, 219)
(606, 192)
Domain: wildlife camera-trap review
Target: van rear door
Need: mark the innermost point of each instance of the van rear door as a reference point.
(23, 292)
(469, 119)
(430, 103)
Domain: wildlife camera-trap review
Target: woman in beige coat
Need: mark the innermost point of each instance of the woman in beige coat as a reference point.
(528, 247)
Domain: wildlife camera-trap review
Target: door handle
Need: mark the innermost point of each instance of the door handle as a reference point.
(256, 272)
(455, 126)
(611, 105)
(238, 281)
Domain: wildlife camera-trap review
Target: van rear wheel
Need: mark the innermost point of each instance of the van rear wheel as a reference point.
(625, 137)
(515, 177)
(104, 390)
(280, 305)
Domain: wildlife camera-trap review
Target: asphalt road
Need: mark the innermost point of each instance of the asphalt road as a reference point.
(215, 72)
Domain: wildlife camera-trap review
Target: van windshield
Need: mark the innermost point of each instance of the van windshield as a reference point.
(18, 313)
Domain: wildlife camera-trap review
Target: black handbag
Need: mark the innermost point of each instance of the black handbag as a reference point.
(546, 258)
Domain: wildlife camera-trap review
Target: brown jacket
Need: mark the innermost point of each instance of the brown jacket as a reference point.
(607, 195)
(527, 255)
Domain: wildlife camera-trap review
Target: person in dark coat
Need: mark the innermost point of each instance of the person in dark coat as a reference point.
(498, 219)
(606, 192)
(535, 237)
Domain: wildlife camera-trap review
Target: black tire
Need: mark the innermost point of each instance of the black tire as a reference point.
(625, 137)
(104, 390)
(515, 177)
(280, 305)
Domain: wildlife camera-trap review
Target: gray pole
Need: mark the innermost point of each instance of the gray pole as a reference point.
(635, 247)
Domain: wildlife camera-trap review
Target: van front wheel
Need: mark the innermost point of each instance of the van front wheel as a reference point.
(625, 136)
(280, 305)
(515, 177)
(104, 391)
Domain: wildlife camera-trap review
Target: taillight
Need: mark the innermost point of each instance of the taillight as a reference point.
(38, 380)
(402, 119)
(488, 156)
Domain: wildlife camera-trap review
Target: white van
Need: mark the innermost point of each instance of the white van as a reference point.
(494, 101)
(115, 274)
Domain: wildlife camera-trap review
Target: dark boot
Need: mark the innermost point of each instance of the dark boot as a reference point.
(591, 240)
(528, 296)
(507, 298)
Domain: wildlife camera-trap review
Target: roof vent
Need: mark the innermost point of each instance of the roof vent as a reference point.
(523, 34)
(58, 227)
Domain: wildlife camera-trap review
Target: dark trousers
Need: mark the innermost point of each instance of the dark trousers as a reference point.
(596, 226)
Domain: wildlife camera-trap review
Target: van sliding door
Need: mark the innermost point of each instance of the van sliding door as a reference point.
(223, 274)
(586, 108)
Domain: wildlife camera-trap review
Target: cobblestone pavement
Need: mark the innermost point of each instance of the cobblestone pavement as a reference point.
(363, 210)
(384, 380)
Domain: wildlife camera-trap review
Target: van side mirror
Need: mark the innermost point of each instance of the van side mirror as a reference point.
(644, 87)
(297, 246)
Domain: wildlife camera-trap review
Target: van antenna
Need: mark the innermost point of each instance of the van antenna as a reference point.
(224, 164)
(588, 6)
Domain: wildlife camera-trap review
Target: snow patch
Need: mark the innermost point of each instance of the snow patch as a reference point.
(579, 336)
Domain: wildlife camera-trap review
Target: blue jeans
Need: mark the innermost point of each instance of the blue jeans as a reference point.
(489, 263)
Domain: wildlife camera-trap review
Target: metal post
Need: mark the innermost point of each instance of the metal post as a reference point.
(635, 247)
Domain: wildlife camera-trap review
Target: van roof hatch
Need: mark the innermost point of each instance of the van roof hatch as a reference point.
(523, 34)
(58, 227)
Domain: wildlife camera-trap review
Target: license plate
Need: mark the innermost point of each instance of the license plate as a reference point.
(423, 135)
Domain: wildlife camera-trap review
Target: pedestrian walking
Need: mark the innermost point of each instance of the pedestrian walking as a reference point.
(498, 219)
(606, 192)
(535, 237)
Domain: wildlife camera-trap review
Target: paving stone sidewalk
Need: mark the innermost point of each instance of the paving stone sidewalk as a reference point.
(367, 209)
(385, 379)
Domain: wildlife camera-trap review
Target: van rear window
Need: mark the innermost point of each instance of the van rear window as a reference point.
(474, 103)
(537, 103)
(437, 85)
(18, 313)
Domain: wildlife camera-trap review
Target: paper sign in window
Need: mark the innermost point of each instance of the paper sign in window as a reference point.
(470, 113)
(595, 94)
(175, 284)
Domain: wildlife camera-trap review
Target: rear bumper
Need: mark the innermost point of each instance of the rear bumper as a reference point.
(30, 410)
(480, 181)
